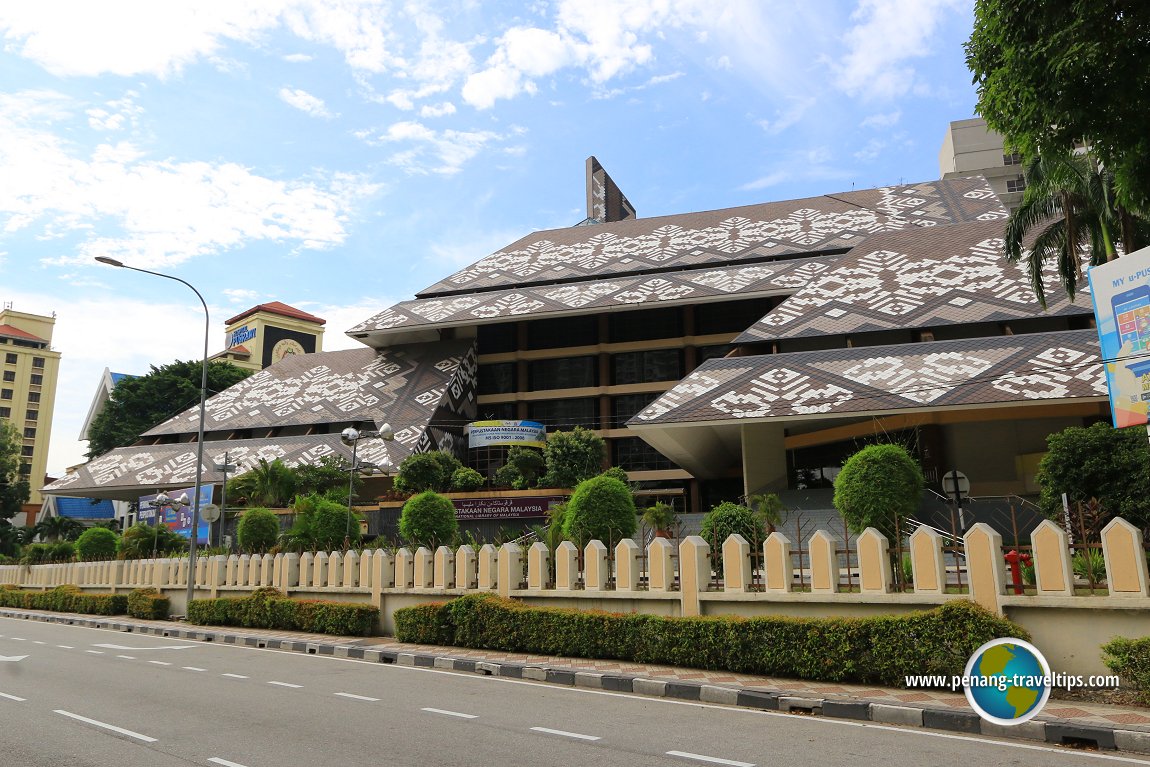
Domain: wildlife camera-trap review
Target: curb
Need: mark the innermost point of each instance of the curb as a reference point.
(1059, 732)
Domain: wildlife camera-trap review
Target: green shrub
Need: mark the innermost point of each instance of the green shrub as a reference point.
(258, 530)
(428, 519)
(1099, 461)
(36, 553)
(97, 543)
(1090, 564)
(728, 518)
(65, 599)
(601, 508)
(521, 469)
(427, 471)
(1130, 659)
(141, 539)
(269, 608)
(617, 473)
(321, 524)
(882, 650)
(149, 604)
(466, 480)
(572, 457)
(880, 486)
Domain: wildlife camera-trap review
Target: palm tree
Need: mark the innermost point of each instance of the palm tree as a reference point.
(55, 529)
(1069, 203)
(768, 508)
(266, 484)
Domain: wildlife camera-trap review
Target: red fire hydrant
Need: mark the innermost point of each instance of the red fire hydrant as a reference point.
(1014, 559)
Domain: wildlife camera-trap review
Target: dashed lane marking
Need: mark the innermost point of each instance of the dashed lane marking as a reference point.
(105, 726)
(709, 759)
(445, 712)
(565, 734)
(356, 697)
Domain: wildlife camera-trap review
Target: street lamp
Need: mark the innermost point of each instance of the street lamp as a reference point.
(200, 433)
(161, 501)
(351, 436)
(223, 466)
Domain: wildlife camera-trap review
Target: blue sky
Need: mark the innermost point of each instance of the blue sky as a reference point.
(341, 155)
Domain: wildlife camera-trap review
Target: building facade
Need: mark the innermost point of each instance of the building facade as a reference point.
(970, 148)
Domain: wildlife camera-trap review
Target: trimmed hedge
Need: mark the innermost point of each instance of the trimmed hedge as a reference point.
(1130, 659)
(149, 604)
(65, 599)
(271, 609)
(881, 650)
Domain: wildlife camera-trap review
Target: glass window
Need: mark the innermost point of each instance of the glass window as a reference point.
(37, 362)
(646, 324)
(34, 396)
(566, 413)
(26, 450)
(503, 411)
(492, 339)
(1015, 184)
(563, 331)
(1012, 159)
(624, 407)
(731, 316)
(644, 367)
(497, 379)
(633, 454)
(563, 373)
(5, 412)
(32, 415)
(9, 375)
(36, 379)
(704, 353)
(30, 432)
(25, 469)
(5, 394)
(10, 358)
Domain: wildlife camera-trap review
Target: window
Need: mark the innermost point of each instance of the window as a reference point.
(647, 324)
(5, 412)
(32, 415)
(563, 331)
(563, 373)
(625, 407)
(1012, 159)
(497, 379)
(1016, 184)
(30, 432)
(633, 454)
(33, 397)
(644, 367)
(493, 339)
(26, 450)
(10, 358)
(731, 316)
(9, 376)
(5, 394)
(25, 469)
(566, 413)
(504, 411)
(36, 379)
(704, 353)
(38, 362)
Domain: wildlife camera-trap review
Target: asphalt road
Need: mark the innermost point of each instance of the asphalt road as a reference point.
(95, 698)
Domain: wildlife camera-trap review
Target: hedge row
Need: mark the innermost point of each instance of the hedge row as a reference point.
(1130, 660)
(149, 604)
(881, 650)
(65, 599)
(271, 609)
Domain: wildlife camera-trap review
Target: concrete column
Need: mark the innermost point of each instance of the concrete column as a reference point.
(404, 569)
(660, 565)
(160, 573)
(694, 572)
(382, 573)
(778, 572)
(927, 564)
(444, 568)
(874, 562)
(1053, 573)
(465, 567)
(267, 564)
(510, 576)
(736, 564)
(538, 566)
(488, 576)
(244, 571)
(350, 570)
(335, 569)
(824, 560)
(305, 569)
(764, 458)
(277, 571)
(985, 566)
(291, 572)
(202, 571)
(595, 572)
(216, 572)
(566, 566)
(1125, 559)
(627, 556)
(319, 570)
(424, 574)
(365, 561)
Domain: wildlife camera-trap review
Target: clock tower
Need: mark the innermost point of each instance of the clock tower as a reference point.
(265, 334)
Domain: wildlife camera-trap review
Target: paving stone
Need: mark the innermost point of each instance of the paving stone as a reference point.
(645, 686)
(462, 664)
(534, 672)
(956, 721)
(889, 714)
(446, 663)
(767, 701)
(711, 693)
(1032, 730)
(560, 676)
(1132, 740)
(588, 679)
(618, 683)
(683, 690)
(425, 661)
(405, 659)
(847, 709)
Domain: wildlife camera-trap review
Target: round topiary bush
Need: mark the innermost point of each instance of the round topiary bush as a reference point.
(426, 471)
(428, 519)
(97, 543)
(729, 518)
(465, 480)
(617, 473)
(601, 508)
(880, 486)
(258, 530)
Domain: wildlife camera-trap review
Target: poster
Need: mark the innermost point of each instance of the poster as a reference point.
(177, 517)
(488, 433)
(1120, 290)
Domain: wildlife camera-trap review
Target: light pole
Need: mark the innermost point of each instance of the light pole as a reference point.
(224, 467)
(200, 433)
(352, 436)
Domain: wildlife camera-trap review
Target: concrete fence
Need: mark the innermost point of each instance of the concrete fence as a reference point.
(691, 579)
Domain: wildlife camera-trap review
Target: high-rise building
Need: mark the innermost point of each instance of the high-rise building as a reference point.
(29, 369)
(972, 149)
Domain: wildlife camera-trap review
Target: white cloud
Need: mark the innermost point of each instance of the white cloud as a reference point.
(238, 295)
(437, 110)
(871, 151)
(297, 58)
(763, 182)
(304, 101)
(430, 151)
(787, 117)
(881, 120)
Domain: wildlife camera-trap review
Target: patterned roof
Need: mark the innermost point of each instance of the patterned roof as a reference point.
(976, 371)
(400, 385)
(727, 236)
(775, 277)
(915, 278)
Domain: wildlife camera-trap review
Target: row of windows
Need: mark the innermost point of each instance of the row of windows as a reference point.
(568, 413)
(572, 372)
(12, 359)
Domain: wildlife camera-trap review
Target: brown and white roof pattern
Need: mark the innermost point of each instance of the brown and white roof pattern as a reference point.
(915, 279)
(401, 384)
(723, 236)
(852, 381)
(786, 276)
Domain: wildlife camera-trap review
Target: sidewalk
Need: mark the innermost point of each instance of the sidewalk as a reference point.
(1075, 723)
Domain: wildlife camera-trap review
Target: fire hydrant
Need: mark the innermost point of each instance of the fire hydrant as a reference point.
(1014, 559)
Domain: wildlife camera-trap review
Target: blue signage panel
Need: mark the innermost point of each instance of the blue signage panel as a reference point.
(1120, 290)
(177, 517)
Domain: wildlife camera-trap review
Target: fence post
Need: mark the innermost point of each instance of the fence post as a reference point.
(538, 566)
(444, 568)
(874, 562)
(465, 576)
(1125, 559)
(351, 570)
(928, 568)
(510, 576)
(778, 571)
(627, 554)
(985, 565)
(694, 573)
(1052, 570)
(488, 577)
(595, 573)
(824, 559)
(334, 569)
(736, 554)
(404, 568)
(566, 566)
(319, 569)
(660, 565)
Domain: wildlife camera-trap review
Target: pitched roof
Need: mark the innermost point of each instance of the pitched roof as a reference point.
(11, 331)
(277, 307)
(727, 237)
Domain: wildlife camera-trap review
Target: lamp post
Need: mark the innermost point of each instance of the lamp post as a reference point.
(223, 466)
(200, 433)
(351, 436)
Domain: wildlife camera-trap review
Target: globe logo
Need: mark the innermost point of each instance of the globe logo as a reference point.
(1007, 681)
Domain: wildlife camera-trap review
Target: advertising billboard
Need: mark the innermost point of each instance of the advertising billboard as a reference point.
(178, 518)
(1120, 290)
(488, 433)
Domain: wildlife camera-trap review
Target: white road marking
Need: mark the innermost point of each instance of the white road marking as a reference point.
(287, 684)
(106, 726)
(19, 639)
(234, 676)
(95, 652)
(711, 759)
(37, 641)
(565, 734)
(225, 762)
(160, 662)
(163, 647)
(12, 657)
(66, 647)
(127, 657)
(445, 712)
(192, 668)
(356, 697)
(11, 697)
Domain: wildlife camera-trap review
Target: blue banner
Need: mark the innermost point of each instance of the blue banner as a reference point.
(178, 517)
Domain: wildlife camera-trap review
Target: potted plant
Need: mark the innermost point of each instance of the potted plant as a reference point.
(661, 517)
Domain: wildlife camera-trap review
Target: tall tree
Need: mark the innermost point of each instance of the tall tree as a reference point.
(1052, 73)
(14, 490)
(138, 404)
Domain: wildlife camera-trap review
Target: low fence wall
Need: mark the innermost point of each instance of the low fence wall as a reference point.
(1069, 617)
